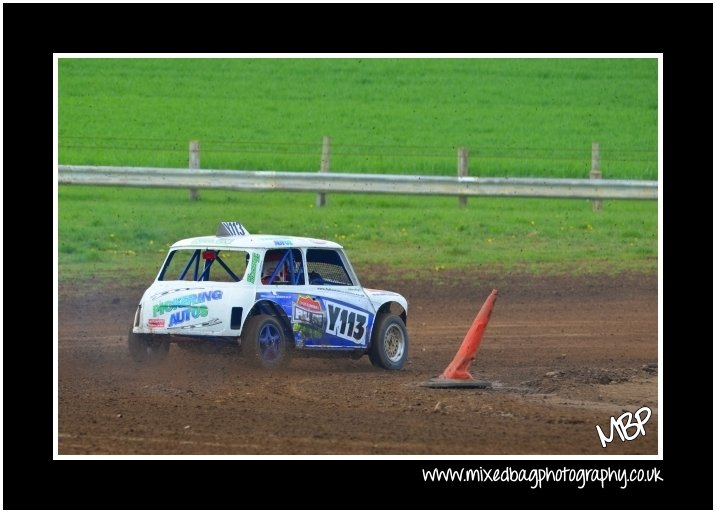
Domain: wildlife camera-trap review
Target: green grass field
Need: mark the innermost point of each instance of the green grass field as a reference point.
(518, 117)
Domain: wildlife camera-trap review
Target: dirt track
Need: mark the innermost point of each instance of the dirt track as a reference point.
(563, 354)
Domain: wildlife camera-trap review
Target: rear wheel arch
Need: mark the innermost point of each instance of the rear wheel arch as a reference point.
(266, 307)
(265, 342)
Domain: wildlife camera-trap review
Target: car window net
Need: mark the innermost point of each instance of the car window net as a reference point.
(325, 267)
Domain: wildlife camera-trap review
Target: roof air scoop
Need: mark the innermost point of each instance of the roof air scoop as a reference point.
(231, 229)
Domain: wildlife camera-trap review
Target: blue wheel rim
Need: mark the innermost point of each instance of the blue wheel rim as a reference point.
(269, 342)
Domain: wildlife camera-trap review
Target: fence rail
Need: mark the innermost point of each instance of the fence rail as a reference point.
(357, 183)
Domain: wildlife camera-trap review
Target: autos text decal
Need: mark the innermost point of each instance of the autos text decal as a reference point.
(191, 304)
(191, 299)
(345, 322)
(188, 314)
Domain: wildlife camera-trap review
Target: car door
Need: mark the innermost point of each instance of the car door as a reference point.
(317, 290)
(335, 302)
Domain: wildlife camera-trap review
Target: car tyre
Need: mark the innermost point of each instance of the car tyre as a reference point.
(146, 348)
(264, 342)
(389, 344)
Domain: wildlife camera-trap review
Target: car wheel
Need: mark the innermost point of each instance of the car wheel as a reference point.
(389, 344)
(146, 348)
(264, 342)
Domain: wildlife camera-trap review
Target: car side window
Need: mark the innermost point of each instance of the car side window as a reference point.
(325, 267)
(204, 265)
(283, 267)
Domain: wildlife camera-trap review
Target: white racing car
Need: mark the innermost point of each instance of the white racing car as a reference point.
(270, 296)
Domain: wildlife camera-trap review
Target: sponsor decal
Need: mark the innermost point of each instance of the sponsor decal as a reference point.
(308, 319)
(188, 314)
(308, 303)
(190, 300)
(273, 295)
(282, 243)
(172, 291)
(251, 278)
(346, 322)
(156, 323)
(191, 306)
(341, 291)
(318, 322)
(211, 322)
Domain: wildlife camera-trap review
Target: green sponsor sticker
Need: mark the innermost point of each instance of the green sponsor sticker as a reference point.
(251, 278)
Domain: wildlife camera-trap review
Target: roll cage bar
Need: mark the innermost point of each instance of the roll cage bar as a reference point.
(294, 277)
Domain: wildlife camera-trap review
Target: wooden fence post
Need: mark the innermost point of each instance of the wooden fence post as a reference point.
(193, 165)
(462, 168)
(595, 174)
(325, 168)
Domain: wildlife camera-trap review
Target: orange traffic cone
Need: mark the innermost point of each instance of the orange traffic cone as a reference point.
(471, 343)
(456, 373)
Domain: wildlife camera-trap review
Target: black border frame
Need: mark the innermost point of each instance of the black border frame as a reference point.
(683, 33)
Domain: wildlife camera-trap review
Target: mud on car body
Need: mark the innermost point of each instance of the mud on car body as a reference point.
(272, 297)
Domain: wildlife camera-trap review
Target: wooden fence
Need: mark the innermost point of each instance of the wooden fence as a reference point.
(323, 182)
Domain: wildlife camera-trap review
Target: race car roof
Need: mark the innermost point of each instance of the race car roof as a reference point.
(234, 235)
(253, 241)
